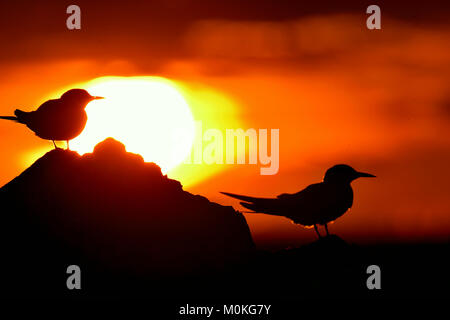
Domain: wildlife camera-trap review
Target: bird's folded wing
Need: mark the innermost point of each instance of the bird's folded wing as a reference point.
(312, 194)
(302, 207)
(266, 205)
(244, 198)
(285, 196)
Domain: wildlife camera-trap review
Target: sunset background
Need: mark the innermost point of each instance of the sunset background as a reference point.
(339, 93)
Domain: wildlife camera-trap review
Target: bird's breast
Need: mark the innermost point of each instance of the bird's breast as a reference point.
(341, 199)
(63, 124)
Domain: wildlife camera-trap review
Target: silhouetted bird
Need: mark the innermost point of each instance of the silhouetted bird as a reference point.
(57, 119)
(319, 203)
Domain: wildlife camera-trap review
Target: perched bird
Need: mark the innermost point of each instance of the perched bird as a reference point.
(57, 119)
(319, 203)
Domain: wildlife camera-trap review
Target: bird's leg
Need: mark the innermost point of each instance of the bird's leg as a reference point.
(67, 144)
(317, 231)
(326, 228)
(54, 144)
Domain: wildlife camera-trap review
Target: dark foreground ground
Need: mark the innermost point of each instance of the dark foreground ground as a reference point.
(328, 275)
(329, 268)
(333, 269)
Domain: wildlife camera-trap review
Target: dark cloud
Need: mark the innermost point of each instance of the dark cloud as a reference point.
(36, 30)
(445, 107)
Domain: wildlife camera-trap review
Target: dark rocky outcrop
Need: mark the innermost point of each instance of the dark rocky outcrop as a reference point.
(112, 214)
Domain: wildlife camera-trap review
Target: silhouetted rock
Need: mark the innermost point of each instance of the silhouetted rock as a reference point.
(112, 214)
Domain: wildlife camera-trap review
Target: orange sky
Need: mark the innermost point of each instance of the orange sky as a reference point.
(339, 93)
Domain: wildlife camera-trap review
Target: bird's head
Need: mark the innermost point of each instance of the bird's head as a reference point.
(79, 97)
(343, 173)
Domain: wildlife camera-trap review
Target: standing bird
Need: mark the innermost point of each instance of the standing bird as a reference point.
(319, 203)
(57, 119)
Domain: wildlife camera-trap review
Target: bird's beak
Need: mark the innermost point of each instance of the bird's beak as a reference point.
(367, 175)
(97, 98)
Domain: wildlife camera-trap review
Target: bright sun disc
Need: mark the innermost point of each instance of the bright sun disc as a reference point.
(147, 114)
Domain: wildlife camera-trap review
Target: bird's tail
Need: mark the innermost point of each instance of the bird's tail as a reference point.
(20, 116)
(257, 205)
(9, 118)
(250, 206)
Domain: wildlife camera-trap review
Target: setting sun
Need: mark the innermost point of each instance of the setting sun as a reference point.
(148, 114)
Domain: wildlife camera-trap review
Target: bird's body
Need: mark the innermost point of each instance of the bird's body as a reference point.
(317, 204)
(50, 120)
(57, 119)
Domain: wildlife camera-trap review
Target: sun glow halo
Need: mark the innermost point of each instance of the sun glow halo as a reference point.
(147, 114)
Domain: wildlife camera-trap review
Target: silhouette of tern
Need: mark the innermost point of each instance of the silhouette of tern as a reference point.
(57, 119)
(319, 203)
